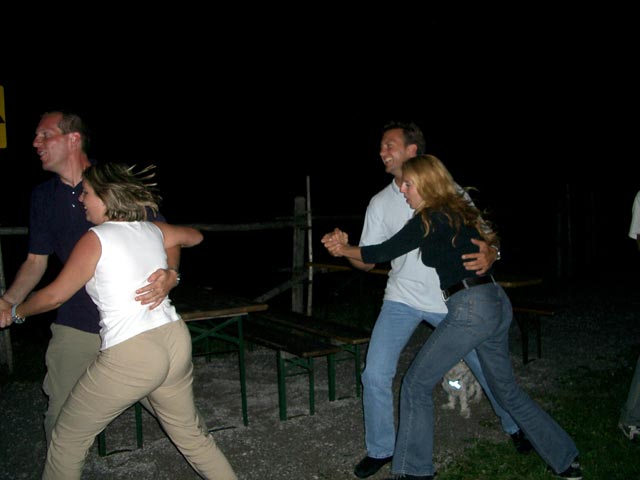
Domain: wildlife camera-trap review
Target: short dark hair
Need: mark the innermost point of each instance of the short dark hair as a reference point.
(72, 123)
(412, 134)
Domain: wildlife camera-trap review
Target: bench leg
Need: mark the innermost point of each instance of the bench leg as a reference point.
(102, 437)
(525, 323)
(102, 444)
(356, 353)
(305, 364)
(138, 409)
(282, 387)
(243, 375)
(331, 376)
(312, 396)
(538, 325)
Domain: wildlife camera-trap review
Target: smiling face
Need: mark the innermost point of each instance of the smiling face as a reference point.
(394, 152)
(53, 146)
(94, 207)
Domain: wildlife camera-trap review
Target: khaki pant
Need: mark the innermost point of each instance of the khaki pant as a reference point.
(156, 364)
(69, 354)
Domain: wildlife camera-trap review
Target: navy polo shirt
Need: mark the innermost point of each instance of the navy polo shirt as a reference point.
(57, 221)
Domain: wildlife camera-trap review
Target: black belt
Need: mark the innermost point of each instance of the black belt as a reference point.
(466, 283)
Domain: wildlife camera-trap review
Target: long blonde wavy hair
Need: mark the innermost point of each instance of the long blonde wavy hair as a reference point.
(440, 193)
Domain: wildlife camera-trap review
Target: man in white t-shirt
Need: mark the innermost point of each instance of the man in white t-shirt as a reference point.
(634, 230)
(629, 421)
(412, 295)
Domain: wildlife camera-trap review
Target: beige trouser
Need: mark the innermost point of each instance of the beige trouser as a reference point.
(156, 364)
(69, 354)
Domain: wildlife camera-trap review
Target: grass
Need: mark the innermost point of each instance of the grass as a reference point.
(587, 407)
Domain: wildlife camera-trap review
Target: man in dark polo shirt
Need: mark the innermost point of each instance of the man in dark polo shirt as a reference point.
(57, 221)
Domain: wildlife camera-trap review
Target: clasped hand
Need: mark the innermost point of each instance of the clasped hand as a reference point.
(334, 241)
(5, 314)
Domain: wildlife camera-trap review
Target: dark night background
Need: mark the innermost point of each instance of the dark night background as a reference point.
(532, 110)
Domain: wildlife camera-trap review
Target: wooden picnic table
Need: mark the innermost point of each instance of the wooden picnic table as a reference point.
(211, 314)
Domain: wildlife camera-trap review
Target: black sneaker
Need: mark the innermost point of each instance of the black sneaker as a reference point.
(521, 442)
(412, 477)
(572, 473)
(369, 465)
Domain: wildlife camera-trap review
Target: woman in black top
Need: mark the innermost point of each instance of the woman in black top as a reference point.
(479, 317)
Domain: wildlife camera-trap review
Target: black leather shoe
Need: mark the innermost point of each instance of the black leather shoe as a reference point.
(412, 477)
(521, 442)
(369, 465)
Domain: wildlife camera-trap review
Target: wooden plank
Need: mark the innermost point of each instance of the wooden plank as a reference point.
(298, 345)
(512, 281)
(199, 303)
(546, 310)
(322, 328)
(332, 267)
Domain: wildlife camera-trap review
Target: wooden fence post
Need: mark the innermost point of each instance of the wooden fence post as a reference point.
(6, 352)
(299, 219)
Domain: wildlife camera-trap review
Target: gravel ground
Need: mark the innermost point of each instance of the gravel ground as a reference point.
(597, 324)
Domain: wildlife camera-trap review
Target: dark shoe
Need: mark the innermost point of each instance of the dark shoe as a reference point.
(572, 473)
(369, 465)
(521, 442)
(412, 477)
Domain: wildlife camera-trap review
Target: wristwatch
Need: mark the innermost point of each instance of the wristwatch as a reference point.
(498, 256)
(177, 275)
(15, 318)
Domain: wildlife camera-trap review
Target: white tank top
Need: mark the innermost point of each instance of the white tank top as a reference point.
(131, 251)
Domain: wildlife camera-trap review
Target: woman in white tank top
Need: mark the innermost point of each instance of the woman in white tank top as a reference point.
(145, 352)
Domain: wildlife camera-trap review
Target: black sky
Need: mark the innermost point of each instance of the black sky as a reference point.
(525, 112)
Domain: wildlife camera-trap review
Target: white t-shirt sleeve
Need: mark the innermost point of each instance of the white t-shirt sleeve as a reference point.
(634, 230)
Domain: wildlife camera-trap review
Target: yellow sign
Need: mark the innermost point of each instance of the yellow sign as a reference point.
(3, 124)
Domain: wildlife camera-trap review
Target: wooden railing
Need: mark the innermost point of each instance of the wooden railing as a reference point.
(301, 224)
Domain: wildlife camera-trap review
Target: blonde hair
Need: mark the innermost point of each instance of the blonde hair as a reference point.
(126, 194)
(440, 193)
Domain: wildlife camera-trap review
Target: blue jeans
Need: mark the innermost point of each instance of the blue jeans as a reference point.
(479, 317)
(630, 412)
(391, 333)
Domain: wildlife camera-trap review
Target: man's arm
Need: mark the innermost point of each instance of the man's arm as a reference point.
(77, 271)
(29, 275)
(360, 265)
(480, 262)
(335, 238)
(161, 281)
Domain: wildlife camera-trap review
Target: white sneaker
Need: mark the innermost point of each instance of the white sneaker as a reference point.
(629, 431)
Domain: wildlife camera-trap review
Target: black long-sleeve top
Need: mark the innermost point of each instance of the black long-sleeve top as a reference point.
(436, 249)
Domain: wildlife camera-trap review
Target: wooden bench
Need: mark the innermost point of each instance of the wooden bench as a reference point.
(102, 438)
(295, 354)
(347, 338)
(528, 315)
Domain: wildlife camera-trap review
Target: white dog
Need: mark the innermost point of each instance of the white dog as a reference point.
(459, 383)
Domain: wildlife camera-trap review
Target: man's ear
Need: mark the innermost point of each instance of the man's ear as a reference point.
(412, 149)
(75, 138)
